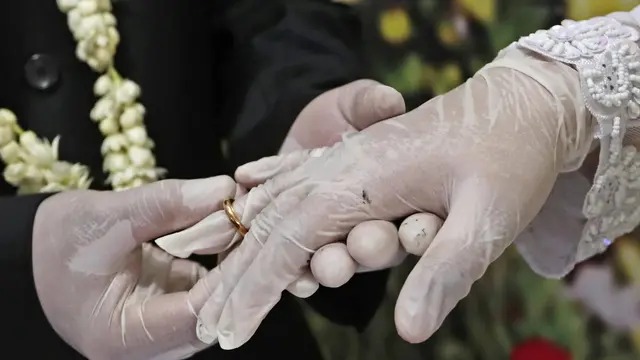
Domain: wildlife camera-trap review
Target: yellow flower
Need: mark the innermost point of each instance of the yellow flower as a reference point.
(395, 25)
(447, 33)
(452, 74)
(483, 10)
(585, 9)
(442, 79)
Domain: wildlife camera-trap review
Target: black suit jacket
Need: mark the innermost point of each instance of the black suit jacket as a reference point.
(212, 72)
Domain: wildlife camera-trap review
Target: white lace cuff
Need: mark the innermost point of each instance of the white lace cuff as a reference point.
(607, 57)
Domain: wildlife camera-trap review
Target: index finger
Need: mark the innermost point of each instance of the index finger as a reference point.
(282, 260)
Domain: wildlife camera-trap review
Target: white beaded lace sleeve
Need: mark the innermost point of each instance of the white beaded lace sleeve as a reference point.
(605, 54)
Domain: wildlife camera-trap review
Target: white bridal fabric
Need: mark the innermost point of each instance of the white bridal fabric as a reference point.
(579, 221)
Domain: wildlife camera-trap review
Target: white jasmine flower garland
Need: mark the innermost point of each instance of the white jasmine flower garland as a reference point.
(32, 164)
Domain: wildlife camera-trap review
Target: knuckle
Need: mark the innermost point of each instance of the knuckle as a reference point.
(167, 187)
(267, 189)
(338, 200)
(261, 226)
(156, 197)
(266, 221)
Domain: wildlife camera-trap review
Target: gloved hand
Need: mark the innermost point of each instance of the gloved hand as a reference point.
(373, 245)
(483, 156)
(108, 292)
(323, 122)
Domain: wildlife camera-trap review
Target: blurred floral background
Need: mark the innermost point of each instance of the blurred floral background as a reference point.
(425, 48)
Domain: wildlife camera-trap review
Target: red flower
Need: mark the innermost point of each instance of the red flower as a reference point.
(539, 349)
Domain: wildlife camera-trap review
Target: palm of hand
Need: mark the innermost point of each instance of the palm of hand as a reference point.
(104, 289)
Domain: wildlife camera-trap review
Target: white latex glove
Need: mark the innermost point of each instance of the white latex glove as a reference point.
(108, 292)
(484, 156)
(323, 122)
(372, 245)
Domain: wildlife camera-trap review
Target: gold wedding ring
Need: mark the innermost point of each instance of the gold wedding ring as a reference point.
(227, 205)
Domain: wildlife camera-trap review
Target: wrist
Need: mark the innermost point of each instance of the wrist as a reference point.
(571, 120)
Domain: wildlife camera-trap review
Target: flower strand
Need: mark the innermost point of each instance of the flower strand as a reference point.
(32, 164)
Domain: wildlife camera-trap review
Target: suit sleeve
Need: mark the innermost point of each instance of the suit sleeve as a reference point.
(299, 51)
(29, 330)
(295, 52)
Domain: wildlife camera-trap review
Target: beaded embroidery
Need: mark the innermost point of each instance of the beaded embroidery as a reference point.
(605, 53)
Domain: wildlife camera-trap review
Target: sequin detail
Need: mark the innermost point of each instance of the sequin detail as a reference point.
(607, 57)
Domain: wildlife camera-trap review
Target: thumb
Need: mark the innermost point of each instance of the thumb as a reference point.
(360, 104)
(472, 237)
(167, 206)
(365, 102)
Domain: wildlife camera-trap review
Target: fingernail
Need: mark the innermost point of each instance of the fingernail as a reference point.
(388, 100)
(196, 238)
(257, 168)
(226, 340)
(197, 194)
(244, 170)
(229, 340)
(167, 245)
(205, 335)
(304, 287)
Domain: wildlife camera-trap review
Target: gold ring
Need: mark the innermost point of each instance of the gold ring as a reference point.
(227, 205)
